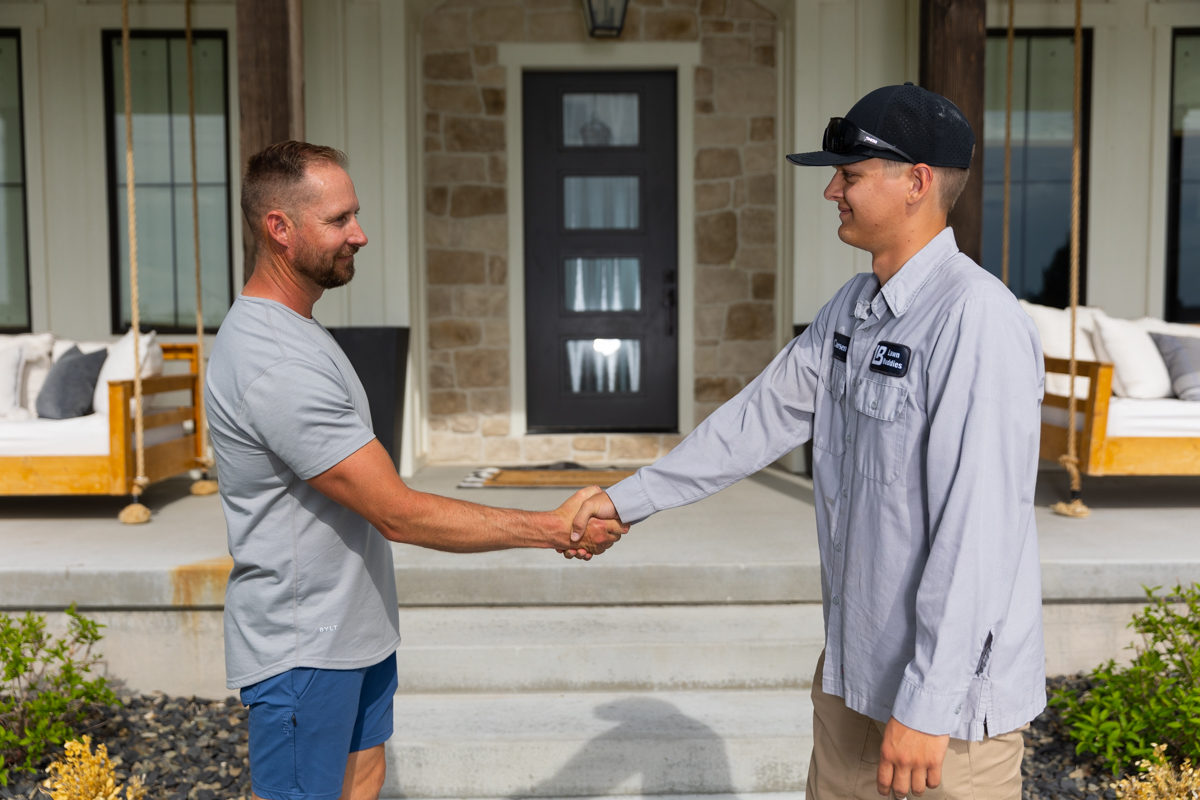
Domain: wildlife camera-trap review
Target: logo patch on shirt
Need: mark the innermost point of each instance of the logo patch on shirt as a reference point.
(841, 346)
(891, 359)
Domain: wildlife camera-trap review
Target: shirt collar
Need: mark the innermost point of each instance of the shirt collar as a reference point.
(902, 289)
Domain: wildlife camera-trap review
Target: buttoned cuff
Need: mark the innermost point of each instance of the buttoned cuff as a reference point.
(631, 500)
(934, 713)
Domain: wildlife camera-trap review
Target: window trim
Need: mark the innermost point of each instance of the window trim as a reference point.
(15, 33)
(1085, 132)
(1173, 310)
(112, 173)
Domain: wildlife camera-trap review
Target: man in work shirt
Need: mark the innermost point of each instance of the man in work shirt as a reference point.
(919, 384)
(311, 499)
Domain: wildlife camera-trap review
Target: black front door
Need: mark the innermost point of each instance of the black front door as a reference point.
(601, 251)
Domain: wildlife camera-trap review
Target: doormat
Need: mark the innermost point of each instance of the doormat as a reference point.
(563, 475)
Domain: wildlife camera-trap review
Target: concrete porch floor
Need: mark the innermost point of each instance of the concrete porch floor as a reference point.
(758, 537)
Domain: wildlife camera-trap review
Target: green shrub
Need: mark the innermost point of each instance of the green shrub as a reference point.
(1156, 699)
(46, 687)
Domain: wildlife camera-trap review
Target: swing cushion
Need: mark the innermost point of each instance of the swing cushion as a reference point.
(1138, 368)
(68, 389)
(120, 366)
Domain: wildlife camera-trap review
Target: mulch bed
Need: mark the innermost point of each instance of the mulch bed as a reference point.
(192, 749)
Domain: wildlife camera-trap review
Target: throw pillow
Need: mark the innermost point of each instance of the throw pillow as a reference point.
(10, 373)
(1054, 328)
(119, 366)
(1138, 367)
(35, 367)
(68, 389)
(1182, 357)
(1155, 325)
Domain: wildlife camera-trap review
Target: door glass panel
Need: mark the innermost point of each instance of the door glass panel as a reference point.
(600, 120)
(14, 283)
(603, 284)
(600, 202)
(604, 365)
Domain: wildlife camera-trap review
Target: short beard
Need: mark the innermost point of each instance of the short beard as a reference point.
(325, 272)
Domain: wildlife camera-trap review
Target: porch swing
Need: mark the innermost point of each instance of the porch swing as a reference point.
(1085, 446)
(130, 466)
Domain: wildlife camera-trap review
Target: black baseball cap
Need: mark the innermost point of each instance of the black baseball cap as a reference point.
(923, 125)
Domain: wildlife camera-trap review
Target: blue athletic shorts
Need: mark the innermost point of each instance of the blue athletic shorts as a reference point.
(306, 722)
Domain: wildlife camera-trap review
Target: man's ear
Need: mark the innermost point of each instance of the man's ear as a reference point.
(922, 183)
(279, 227)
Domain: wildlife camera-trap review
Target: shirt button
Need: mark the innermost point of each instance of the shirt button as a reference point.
(837, 546)
(837, 602)
(843, 492)
(874, 404)
(958, 709)
(847, 438)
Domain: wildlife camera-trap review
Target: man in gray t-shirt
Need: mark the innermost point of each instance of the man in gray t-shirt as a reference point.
(311, 499)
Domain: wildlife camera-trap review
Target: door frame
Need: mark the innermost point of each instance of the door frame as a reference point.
(683, 57)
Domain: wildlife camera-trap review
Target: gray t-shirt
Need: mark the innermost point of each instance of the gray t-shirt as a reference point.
(313, 583)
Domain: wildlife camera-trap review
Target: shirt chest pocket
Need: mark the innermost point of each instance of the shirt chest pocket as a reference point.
(882, 433)
(829, 428)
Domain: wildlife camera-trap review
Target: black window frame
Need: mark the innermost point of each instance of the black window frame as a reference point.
(1173, 310)
(15, 33)
(1085, 133)
(116, 170)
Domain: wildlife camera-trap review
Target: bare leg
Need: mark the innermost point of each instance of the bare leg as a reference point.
(365, 771)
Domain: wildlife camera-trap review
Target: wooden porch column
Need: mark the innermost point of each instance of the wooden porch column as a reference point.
(953, 40)
(270, 61)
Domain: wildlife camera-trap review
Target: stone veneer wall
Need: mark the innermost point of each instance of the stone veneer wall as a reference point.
(466, 222)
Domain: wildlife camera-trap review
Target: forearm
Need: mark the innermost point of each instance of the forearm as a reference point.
(456, 526)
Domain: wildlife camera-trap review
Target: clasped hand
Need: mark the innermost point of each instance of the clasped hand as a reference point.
(592, 523)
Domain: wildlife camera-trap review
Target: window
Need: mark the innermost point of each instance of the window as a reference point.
(14, 260)
(1183, 221)
(1042, 123)
(163, 174)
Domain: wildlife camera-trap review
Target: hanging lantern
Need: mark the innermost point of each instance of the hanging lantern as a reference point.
(605, 18)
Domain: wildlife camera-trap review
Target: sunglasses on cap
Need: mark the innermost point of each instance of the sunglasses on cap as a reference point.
(842, 136)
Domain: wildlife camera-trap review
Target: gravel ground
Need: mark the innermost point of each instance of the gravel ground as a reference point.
(192, 749)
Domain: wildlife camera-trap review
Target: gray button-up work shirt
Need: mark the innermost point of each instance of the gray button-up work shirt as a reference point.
(922, 400)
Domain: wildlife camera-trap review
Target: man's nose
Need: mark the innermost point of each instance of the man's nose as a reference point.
(833, 191)
(358, 237)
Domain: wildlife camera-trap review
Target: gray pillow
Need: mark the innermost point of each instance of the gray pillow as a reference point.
(68, 389)
(1182, 355)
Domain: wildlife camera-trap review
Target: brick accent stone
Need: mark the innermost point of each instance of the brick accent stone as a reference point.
(466, 221)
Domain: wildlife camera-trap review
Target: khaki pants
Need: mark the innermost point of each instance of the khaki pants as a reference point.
(845, 758)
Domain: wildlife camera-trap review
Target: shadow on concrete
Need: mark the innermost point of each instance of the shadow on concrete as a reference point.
(785, 483)
(1121, 491)
(156, 498)
(672, 752)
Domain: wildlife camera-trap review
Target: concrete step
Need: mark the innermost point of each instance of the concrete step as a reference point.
(608, 648)
(590, 744)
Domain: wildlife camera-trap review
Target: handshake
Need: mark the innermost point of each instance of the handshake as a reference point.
(592, 523)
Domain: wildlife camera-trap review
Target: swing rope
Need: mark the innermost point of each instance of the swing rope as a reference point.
(1008, 103)
(203, 486)
(1070, 459)
(135, 513)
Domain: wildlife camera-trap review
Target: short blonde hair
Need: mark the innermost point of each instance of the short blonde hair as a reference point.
(949, 181)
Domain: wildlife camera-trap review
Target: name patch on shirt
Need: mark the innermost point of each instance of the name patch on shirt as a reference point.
(841, 346)
(891, 359)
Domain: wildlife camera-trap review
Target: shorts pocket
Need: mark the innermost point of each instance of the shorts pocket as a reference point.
(829, 430)
(882, 433)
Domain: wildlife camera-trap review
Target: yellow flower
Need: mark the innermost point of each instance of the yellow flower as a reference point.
(84, 775)
(1160, 781)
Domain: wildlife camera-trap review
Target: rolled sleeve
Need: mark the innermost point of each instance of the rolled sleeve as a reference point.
(983, 397)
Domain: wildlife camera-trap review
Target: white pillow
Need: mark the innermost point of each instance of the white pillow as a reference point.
(119, 365)
(1138, 367)
(10, 372)
(1054, 327)
(35, 367)
(1153, 325)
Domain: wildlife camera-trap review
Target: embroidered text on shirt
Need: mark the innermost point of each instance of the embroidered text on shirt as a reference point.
(841, 346)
